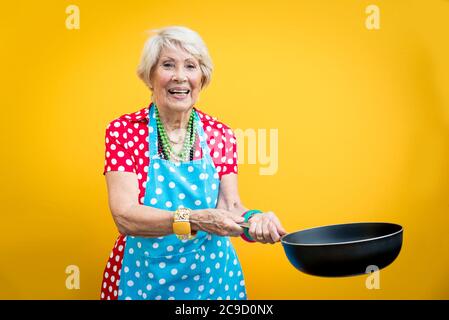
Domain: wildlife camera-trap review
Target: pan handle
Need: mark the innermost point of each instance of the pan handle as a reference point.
(244, 224)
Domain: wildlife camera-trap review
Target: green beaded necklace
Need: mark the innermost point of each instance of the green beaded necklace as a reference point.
(189, 140)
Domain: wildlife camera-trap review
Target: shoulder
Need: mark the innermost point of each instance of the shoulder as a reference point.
(213, 126)
(222, 144)
(128, 122)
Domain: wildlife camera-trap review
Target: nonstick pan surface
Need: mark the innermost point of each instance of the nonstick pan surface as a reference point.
(343, 249)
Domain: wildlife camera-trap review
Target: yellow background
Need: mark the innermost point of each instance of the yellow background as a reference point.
(363, 118)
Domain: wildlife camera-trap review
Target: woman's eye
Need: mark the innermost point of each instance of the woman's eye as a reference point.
(167, 65)
(192, 66)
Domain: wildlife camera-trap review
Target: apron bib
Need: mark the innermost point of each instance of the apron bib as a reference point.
(167, 268)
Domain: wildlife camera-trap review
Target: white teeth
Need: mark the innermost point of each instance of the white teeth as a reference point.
(180, 91)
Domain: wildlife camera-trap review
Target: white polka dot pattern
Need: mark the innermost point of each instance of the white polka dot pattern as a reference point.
(186, 277)
(126, 145)
(112, 272)
(127, 150)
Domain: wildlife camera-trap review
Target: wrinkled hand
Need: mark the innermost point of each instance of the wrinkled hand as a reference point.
(216, 221)
(266, 228)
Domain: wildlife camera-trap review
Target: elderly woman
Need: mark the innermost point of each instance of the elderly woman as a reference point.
(171, 173)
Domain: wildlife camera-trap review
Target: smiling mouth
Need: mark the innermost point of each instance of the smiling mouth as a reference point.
(171, 91)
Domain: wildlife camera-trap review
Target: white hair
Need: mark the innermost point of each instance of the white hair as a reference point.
(174, 37)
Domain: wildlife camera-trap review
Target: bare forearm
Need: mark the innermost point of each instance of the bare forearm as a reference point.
(144, 221)
(235, 207)
(229, 198)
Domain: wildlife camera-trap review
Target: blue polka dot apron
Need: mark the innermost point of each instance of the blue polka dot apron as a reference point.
(167, 268)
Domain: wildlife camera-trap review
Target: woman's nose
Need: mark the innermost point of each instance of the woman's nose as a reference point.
(179, 75)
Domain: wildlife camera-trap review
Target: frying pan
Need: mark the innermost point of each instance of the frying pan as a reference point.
(344, 249)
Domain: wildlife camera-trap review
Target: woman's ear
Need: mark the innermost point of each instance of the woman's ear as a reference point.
(202, 82)
(150, 82)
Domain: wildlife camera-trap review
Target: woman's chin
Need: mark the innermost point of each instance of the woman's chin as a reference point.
(179, 106)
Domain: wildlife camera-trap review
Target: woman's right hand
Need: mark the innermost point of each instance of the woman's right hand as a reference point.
(216, 221)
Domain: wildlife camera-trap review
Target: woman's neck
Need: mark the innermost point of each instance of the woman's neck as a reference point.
(173, 120)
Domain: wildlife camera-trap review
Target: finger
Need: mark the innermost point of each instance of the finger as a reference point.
(259, 232)
(237, 218)
(266, 230)
(274, 234)
(238, 229)
(281, 230)
(252, 229)
(233, 228)
(279, 226)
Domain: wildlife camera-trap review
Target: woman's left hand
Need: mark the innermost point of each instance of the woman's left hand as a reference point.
(266, 228)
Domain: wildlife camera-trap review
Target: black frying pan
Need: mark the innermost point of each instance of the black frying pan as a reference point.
(343, 249)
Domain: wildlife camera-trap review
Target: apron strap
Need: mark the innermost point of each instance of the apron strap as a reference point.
(153, 134)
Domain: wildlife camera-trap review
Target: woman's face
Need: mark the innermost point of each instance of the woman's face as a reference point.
(176, 80)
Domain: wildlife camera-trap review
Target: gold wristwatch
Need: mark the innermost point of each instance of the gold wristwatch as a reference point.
(181, 224)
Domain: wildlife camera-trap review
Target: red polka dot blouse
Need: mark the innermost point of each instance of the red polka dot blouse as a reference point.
(127, 139)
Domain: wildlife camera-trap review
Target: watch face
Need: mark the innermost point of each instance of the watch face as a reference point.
(184, 215)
